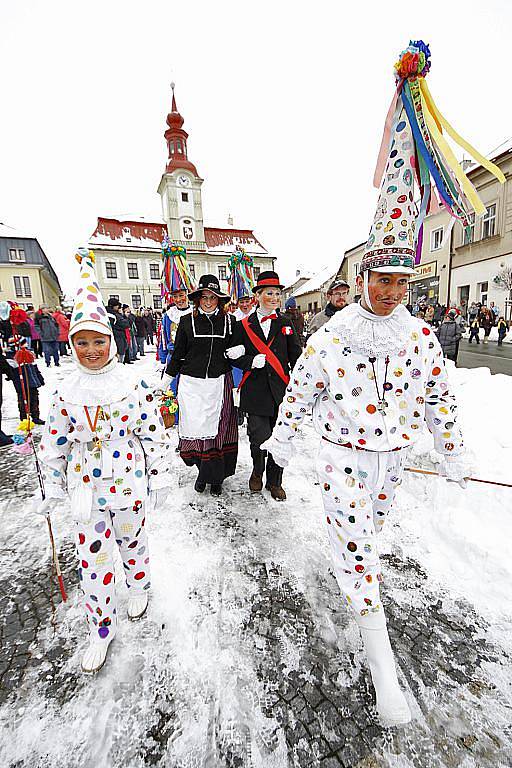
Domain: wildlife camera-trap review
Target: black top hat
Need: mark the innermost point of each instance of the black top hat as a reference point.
(208, 283)
(267, 279)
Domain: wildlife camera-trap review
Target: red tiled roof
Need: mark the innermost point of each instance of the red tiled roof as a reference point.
(140, 230)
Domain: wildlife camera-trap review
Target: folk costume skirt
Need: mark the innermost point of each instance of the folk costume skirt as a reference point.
(215, 458)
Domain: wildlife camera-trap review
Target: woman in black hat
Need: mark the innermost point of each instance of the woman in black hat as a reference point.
(208, 427)
(266, 346)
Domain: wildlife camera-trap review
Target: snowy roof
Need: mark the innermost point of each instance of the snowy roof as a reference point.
(504, 148)
(132, 234)
(225, 239)
(7, 231)
(137, 233)
(325, 275)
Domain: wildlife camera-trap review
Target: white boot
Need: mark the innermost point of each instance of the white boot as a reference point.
(391, 703)
(95, 655)
(137, 606)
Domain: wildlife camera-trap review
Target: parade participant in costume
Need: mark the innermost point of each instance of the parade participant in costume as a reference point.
(266, 347)
(32, 379)
(208, 426)
(337, 299)
(176, 283)
(104, 446)
(240, 288)
(372, 376)
(120, 324)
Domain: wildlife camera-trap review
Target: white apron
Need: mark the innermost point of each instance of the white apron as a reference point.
(200, 405)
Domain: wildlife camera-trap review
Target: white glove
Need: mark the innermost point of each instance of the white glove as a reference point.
(456, 469)
(281, 452)
(158, 497)
(165, 381)
(235, 352)
(259, 361)
(46, 506)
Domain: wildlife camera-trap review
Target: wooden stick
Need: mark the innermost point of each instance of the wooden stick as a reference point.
(56, 561)
(473, 479)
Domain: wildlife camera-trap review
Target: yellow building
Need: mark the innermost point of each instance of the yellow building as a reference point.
(26, 275)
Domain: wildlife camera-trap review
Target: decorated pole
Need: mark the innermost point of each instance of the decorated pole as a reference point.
(24, 441)
(175, 270)
(241, 278)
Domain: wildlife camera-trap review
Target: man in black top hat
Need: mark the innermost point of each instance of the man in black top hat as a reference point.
(266, 347)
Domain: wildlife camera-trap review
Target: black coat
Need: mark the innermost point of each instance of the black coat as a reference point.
(448, 334)
(47, 327)
(263, 390)
(141, 324)
(200, 346)
(119, 324)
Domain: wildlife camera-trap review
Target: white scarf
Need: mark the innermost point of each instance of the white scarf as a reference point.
(372, 335)
(102, 387)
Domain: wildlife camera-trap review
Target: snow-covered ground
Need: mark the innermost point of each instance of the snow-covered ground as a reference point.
(246, 656)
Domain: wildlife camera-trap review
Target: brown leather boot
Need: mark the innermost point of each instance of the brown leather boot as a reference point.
(277, 492)
(255, 482)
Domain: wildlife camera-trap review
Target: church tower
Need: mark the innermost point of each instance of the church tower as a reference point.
(180, 187)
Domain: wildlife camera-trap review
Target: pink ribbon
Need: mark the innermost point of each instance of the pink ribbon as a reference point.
(386, 139)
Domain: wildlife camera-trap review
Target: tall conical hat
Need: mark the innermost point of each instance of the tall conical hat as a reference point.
(89, 313)
(175, 272)
(414, 147)
(241, 278)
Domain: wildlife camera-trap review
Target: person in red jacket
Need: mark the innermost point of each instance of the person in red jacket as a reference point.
(63, 323)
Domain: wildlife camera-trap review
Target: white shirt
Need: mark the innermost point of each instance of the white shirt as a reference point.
(265, 326)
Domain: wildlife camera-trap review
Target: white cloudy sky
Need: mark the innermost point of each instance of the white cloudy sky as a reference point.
(284, 102)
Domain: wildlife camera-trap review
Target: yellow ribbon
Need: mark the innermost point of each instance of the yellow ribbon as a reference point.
(450, 158)
(491, 167)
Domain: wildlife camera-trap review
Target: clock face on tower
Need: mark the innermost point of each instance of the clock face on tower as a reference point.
(184, 181)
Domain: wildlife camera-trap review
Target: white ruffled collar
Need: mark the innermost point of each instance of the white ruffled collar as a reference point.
(372, 335)
(174, 314)
(104, 387)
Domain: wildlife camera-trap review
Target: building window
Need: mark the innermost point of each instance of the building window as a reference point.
(184, 197)
(114, 296)
(256, 272)
(22, 286)
(192, 268)
(136, 302)
(171, 148)
(157, 302)
(469, 237)
(436, 239)
(111, 269)
(16, 254)
(489, 222)
(179, 146)
(357, 267)
(154, 271)
(133, 270)
(222, 272)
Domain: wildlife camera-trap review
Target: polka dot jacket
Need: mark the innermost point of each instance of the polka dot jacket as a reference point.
(123, 458)
(344, 387)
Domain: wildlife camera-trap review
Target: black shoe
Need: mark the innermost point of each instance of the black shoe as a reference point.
(38, 421)
(5, 439)
(216, 489)
(199, 486)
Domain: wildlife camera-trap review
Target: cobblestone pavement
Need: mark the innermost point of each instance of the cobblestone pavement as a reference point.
(291, 689)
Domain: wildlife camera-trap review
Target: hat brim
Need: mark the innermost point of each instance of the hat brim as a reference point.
(395, 270)
(197, 294)
(261, 287)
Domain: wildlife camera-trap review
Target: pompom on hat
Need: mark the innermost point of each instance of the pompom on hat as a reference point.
(413, 148)
(89, 313)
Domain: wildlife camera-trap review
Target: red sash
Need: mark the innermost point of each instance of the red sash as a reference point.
(263, 349)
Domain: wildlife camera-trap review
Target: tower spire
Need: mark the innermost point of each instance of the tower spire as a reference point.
(176, 138)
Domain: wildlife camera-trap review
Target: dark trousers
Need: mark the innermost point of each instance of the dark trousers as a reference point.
(259, 429)
(51, 349)
(473, 334)
(37, 347)
(33, 404)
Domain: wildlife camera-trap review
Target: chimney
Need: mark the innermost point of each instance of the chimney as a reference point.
(230, 220)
